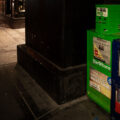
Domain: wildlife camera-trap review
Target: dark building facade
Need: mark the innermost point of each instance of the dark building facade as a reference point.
(56, 43)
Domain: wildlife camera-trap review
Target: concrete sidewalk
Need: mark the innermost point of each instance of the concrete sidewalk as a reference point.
(21, 98)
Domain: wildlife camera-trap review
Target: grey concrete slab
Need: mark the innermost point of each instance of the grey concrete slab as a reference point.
(84, 110)
(12, 107)
(35, 100)
(22, 98)
(9, 39)
(38, 100)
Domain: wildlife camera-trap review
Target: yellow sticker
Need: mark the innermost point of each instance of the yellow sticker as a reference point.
(97, 53)
(102, 50)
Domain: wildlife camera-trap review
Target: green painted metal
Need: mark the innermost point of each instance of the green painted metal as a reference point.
(107, 18)
(99, 54)
(99, 66)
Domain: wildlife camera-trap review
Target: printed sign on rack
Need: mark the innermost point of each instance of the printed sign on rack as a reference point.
(100, 82)
(102, 12)
(102, 50)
